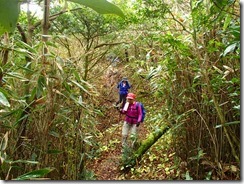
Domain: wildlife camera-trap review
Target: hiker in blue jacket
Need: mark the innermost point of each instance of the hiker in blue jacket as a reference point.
(123, 87)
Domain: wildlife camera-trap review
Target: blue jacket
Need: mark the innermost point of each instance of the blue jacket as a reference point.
(123, 89)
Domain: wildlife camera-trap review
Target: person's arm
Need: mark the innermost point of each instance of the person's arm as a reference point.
(140, 115)
(122, 111)
(125, 108)
(128, 85)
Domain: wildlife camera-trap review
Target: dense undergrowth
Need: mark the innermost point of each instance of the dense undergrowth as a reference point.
(57, 91)
(164, 160)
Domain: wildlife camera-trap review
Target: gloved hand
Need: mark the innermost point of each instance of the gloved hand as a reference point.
(137, 124)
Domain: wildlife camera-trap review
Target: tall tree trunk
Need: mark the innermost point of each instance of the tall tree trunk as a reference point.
(26, 38)
(45, 27)
(4, 54)
(126, 55)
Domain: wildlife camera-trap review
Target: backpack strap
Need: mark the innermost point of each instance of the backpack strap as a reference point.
(137, 104)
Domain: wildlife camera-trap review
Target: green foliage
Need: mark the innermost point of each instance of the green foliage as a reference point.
(101, 6)
(84, 22)
(88, 175)
(228, 124)
(3, 100)
(35, 174)
(150, 8)
(178, 80)
(4, 143)
(127, 159)
(8, 20)
(61, 106)
(188, 177)
(7, 165)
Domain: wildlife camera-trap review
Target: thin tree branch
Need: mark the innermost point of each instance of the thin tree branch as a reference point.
(184, 28)
(53, 17)
(109, 44)
(222, 9)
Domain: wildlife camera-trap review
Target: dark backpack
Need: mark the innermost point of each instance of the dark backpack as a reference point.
(142, 109)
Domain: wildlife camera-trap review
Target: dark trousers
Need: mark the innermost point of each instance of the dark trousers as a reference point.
(122, 98)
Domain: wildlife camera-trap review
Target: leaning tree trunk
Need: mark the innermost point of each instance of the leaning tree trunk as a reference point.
(146, 145)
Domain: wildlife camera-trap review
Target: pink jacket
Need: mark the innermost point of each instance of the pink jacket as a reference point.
(133, 113)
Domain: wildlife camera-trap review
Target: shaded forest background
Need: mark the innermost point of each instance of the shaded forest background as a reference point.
(58, 82)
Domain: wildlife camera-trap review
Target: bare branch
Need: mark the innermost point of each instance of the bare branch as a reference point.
(184, 28)
(109, 44)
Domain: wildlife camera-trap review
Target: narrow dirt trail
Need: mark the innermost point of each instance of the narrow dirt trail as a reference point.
(107, 165)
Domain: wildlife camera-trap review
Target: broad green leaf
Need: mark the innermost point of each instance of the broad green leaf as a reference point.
(188, 177)
(208, 177)
(227, 21)
(230, 48)
(24, 161)
(35, 174)
(30, 49)
(4, 142)
(77, 75)
(3, 157)
(41, 84)
(80, 101)
(76, 101)
(19, 120)
(4, 100)
(55, 134)
(80, 86)
(25, 68)
(59, 64)
(9, 13)
(227, 124)
(235, 31)
(17, 76)
(101, 6)
(33, 94)
(237, 107)
(54, 151)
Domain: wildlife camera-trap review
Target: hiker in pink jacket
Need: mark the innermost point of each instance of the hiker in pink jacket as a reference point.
(133, 118)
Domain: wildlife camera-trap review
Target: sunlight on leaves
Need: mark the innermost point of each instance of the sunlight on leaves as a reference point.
(227, 124)
(188, 177)
(4, 142)
(3, 100)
